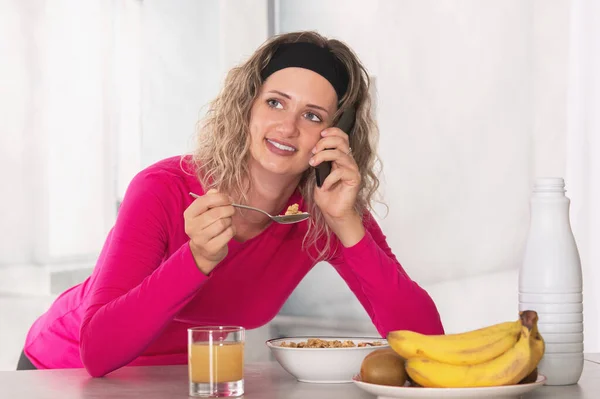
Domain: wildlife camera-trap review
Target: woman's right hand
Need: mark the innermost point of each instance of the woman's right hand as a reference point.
(209, 225)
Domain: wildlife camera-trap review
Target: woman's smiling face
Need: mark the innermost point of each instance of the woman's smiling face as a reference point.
(286, 120)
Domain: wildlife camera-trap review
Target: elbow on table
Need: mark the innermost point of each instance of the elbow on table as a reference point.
(95, 373)
(94, 361)
(94, 367)
(93, 352)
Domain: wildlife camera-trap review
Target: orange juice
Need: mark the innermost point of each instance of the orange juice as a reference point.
(219, 362)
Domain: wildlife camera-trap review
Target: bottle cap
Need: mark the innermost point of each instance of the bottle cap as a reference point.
(549, 184)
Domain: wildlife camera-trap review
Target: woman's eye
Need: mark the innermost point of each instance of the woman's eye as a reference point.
(274, 103)
(313, 117)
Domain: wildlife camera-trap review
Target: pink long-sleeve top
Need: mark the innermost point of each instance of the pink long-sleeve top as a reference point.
(146, 289)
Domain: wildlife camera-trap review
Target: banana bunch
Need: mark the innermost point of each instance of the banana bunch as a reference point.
(501, 354)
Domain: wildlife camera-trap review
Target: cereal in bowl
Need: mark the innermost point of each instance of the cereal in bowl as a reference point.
(323, 343)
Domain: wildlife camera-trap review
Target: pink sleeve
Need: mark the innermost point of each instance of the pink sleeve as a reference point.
(392, 300)
(136, 291)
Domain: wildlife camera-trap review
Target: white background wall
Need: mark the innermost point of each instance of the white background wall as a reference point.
(176, 68)
(188, 47)
(56, 164)
(471, 100)
(471, 106)
(459, 117)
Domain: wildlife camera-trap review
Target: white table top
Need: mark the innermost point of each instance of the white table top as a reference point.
(592, 357)
(263, 380)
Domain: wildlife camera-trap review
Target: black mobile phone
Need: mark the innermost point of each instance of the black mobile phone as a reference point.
(346, 124)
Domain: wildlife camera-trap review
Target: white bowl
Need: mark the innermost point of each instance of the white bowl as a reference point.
(560, 317)
(323, 365)
(560, 328)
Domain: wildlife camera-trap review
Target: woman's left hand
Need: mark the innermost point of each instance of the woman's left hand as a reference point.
(337, 196)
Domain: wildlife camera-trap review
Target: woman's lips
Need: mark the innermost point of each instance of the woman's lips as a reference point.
(279, 148)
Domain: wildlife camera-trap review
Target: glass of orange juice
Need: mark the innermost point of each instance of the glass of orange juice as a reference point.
(216, 361)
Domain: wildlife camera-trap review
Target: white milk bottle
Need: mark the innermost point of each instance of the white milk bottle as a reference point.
(550, 282)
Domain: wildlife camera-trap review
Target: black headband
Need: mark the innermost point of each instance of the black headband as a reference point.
(309, 56)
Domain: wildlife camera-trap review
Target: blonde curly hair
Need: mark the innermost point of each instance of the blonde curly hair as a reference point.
(223, 147)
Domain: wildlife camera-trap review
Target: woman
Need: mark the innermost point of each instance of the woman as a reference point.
(172, 262)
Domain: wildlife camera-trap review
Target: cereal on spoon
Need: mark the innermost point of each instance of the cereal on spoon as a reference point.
(293, 210)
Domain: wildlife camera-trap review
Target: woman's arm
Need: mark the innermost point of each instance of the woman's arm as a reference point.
(390, 297)
(136, 291)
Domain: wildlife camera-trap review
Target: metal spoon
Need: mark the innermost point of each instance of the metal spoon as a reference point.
(283, 219)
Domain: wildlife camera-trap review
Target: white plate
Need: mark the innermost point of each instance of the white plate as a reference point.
(504, 392)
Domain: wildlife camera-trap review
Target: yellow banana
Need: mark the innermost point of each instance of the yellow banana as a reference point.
(537, 344)
(468, 348)
(489, 330)
(508, 368)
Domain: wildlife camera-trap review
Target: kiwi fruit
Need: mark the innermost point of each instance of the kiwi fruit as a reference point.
(383, 367)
